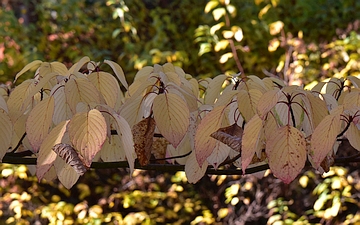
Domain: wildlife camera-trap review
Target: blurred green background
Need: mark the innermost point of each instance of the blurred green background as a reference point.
(298, 41)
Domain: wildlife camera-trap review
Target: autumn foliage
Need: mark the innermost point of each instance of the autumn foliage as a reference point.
(69, 118)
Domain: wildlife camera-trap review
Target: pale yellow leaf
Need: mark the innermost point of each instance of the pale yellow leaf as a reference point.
(66, 174)
(352, 100)
(267, 102)
(247, 102)
(77, 66)
(204, 143)
(219, 154)
(172, 116)
(28, 67)
(226, 97)
(144, 73)
(354, 80)
(318, 109)
(17, 97)
(214, 88)
(324, 137)
(131, 110)
(6, 131)
(353, 135)
(118, 72)
(62, 110)
(80, 90)
(47, 156)
(39, 122)
(252, 141)
(286, 152)
(3, 104)
(87, 133)
(193, 171)
(113, 150)
(107, 85)
(211, 5)
(183, 148)
(187, 95)
(254, 82)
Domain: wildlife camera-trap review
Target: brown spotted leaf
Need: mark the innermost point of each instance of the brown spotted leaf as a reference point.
(143, 133)
(70, 156)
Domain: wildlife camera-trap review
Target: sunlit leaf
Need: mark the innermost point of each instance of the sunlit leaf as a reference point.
(211, 5)
(113, 150)
(6, 131)
(204, 143)
(214, 88)
(118, 72)
(267, 101)
(87, 133)
(354, 80)
(318, 109)
(218, 155)
(172, 116)
(107, 85)
(143, 134)
(62, 110)
(286, 151)
(247, 102)
(28, 67)
(80, 90)
(66, 174)
(324, 137)
(353, 135)
(77, 66)
(46, 155)
(193, 171)
(39, 122)
(218, 13)
(251, 141)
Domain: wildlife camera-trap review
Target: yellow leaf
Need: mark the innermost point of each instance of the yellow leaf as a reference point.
(353, 135)
(193, 171)
(252, 141)
(204, 143)
(218, 13)
(172, 117)
(352, 100)
(211, 5)
(77, 66)
(87, 133)
(225, 57)
(6, 131)
(80, 90)
(27, 68)
(107, 85)
(276, 27)
(354, 80)
(131, 110)
(3, 104)
(324, 137)
(318, 109)
(113, 150)
(286, 151)
(143, 134)
(46, 156)
(118, 72)
(247, 102)
(267, 102)
(214, 88)
(66, 174)
(39, 122)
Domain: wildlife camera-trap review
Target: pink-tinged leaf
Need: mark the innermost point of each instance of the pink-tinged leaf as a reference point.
(172, 117)
(353, 135)
(219, 154)
(247, 102)
(28, 67)
(66, 174)
(87, 133)
(204, 143)
(39, 122)
(286, 152)
(46, 155)
(80, 90)
(118, 72)
(193, 171)
(107, 85)
(6, 131)
(324, 137)
(252, 141)
(124, 132)
(267, 102)
(214, 88)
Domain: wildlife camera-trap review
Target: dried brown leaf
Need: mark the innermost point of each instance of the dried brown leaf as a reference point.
(143, 133)
(231, 136)
(158, 149)
(71, 157)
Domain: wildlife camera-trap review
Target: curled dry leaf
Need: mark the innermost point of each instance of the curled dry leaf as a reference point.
(230, 136)
(70, 156)
(143, 133)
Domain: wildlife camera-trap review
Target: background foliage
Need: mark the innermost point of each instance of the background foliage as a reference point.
(299, 41)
